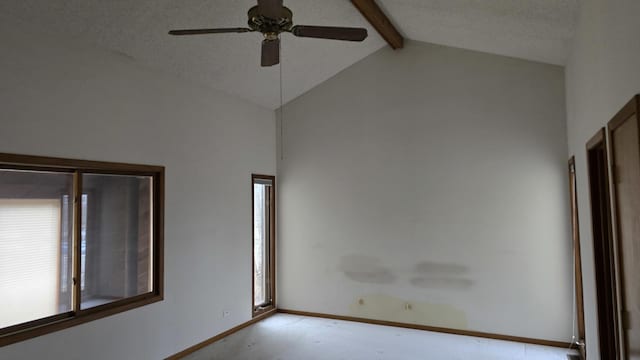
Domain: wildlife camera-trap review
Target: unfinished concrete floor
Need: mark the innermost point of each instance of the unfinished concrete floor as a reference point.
(289, 337)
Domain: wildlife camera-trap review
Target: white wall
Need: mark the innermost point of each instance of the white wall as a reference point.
(603, 74)
(67, 100)
(434, 177)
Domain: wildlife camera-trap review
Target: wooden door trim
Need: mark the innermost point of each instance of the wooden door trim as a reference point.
(625, 114)
(608, 330)
(596, 139)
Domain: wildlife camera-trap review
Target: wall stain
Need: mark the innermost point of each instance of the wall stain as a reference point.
(390, 308)
(430, 267)
(434, 275)
(366, 269)
(428, 274)
(441, 283)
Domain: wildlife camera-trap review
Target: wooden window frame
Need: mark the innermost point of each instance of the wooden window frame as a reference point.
(271, 277)
(604, 252)
(77, 316)
(577, 257)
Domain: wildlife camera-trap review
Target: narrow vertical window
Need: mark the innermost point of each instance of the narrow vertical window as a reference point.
(263, 190)
(577, 258)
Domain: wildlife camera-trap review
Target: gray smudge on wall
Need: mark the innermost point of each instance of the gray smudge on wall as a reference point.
(441, 283)
(434, 275)
(427, 274)
(431, 267)
(366, 269)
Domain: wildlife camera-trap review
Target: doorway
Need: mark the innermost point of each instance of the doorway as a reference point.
(603, 249)
(625, 164)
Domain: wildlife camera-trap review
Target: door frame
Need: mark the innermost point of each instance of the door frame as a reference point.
(603, 244)
(625, 114)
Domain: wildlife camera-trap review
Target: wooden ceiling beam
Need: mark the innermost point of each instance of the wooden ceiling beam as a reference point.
(372, 12)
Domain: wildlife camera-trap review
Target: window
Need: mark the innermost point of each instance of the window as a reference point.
(79, 240)
(577, 258)
(263, 190)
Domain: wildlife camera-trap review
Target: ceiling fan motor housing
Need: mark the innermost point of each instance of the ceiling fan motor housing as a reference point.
(271, 28)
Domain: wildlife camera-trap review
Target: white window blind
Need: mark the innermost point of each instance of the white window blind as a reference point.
(29, 259)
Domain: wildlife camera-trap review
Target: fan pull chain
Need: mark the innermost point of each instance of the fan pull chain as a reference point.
(281, 109)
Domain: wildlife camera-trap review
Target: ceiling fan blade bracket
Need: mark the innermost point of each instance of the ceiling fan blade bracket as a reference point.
(259, 22)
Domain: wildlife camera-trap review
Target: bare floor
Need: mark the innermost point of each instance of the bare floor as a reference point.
(290, 337)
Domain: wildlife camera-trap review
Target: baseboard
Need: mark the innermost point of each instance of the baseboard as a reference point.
(558, 344)
(220, 336)
(224, 334)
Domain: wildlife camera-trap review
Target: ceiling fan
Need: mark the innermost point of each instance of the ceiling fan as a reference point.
(271, 18)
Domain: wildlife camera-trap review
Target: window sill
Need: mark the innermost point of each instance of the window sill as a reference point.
(80, 318)
(257, 311)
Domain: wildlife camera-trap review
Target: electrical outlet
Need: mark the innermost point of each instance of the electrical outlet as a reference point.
(226, 313)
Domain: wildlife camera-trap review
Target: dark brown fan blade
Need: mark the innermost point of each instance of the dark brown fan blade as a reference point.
(330, 32)
(270, 52)
(270, 8)
(209, 31)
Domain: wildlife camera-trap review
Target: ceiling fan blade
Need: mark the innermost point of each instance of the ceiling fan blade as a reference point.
(270, 8)
(209, 31)
(330, 32)
(270, 52)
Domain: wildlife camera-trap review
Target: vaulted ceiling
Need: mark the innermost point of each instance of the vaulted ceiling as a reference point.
(537, 30)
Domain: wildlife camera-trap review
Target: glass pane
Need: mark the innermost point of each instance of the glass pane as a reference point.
(35, 245)
(83, 241)
(261, 244)
(116, 238)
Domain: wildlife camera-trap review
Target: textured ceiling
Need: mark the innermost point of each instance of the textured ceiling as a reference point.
(538, 30)
(531, 29)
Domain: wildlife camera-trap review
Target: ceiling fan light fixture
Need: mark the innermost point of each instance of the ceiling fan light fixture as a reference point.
(271, 36)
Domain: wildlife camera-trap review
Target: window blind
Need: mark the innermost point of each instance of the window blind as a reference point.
(29, 259)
